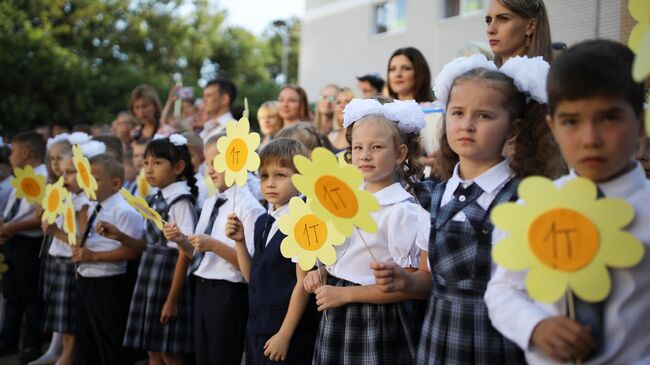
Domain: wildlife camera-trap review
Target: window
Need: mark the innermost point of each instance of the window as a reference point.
(390, 16)
(462, 7)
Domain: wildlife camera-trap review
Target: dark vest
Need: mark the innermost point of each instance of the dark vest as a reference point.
(272, 279)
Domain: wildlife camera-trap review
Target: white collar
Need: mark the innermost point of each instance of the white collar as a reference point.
(488, 181)
(175, 189)
(392, 194)
(624, 185)
(276, 213)
(111, 201)
(230, 192)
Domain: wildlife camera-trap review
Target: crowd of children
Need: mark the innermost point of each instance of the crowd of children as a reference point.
(212, 287)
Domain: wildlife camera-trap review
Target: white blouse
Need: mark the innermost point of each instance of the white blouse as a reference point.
(403, 226)
(60, 248)
(182, 212)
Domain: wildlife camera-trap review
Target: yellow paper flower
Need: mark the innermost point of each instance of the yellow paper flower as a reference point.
(28, 184)
(54, 200)
(237, 154)
(335, 191)
(308, 237)
(566, 238)
(69, 221)
(141, 206)
(639, 42)
(142, 187)
(84, 178)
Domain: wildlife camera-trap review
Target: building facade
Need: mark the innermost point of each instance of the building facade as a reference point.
(342, 39)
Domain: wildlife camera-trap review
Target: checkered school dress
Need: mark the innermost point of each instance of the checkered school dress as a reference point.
(155, 274)
(457, 329)
(57, 288)
(362, 333)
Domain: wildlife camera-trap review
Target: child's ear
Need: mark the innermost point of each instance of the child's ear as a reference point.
(402, 152)
(116, 184)
(550, 124)
(178, 168)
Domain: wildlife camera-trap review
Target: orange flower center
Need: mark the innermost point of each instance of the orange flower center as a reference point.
(310, 232)
(53, 200)
(83, 172)
(563, 239)
(69, 221)
(236, 154)
(30, 187)
(336, 196)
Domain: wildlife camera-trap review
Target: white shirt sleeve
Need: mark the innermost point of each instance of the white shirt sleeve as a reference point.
(131, 223)
(248, 214)
(182, 213)
(512, 312)
(404, 244)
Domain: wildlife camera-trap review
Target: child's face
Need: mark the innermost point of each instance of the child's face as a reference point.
(269, 122)
(19, 155)
(106, 186)
(130, 173)
(477, 122)
(375, 154)
(69, 175)
(138, 156)
(643, 154)
(144, 109)
(160, 172)
(56, 153)
(276, 185)
(218, 178)
(598, 136)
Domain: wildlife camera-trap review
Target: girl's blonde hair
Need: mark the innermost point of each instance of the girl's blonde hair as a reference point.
(271, 107)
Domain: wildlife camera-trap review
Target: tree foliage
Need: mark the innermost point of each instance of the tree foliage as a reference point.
(80, 59)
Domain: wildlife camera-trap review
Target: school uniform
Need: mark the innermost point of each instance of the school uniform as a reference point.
(5, 191)
(220, 292)
(20, 282)
(103, 291)
(457, 329)
(364, 333)
(204, 192)
(58, 287)
(155, 274)
(624, 314)
(272, 280)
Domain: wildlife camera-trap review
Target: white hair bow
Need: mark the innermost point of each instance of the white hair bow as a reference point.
(407, 114)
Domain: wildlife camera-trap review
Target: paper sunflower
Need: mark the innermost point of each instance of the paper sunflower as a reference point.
(28, 184)
(84, 178)
(237, 154)
(335, 191)
(53, 201)
(308, 237)
(566, 238)
(69, 221)
(142, 187)
(143, 208)
(639, 42)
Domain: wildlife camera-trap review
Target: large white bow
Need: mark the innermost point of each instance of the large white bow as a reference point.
(407, 114)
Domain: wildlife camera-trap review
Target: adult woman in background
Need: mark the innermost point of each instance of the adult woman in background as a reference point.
(337, 136)
(324, 119)
(518, 28)
(409, 77)
(145, 106)
(293, 106)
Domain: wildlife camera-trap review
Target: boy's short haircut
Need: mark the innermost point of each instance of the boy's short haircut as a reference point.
(194, 142)
(213, 139)
(591, 69)
(281, 151)
(113, 145)
(34, 142)
(111, 165)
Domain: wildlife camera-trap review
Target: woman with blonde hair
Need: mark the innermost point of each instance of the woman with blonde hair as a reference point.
(325, 105)
(337, 136)
(270, 122)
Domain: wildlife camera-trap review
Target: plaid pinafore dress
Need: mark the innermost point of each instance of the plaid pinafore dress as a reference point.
(155, 273)
(457, 329)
